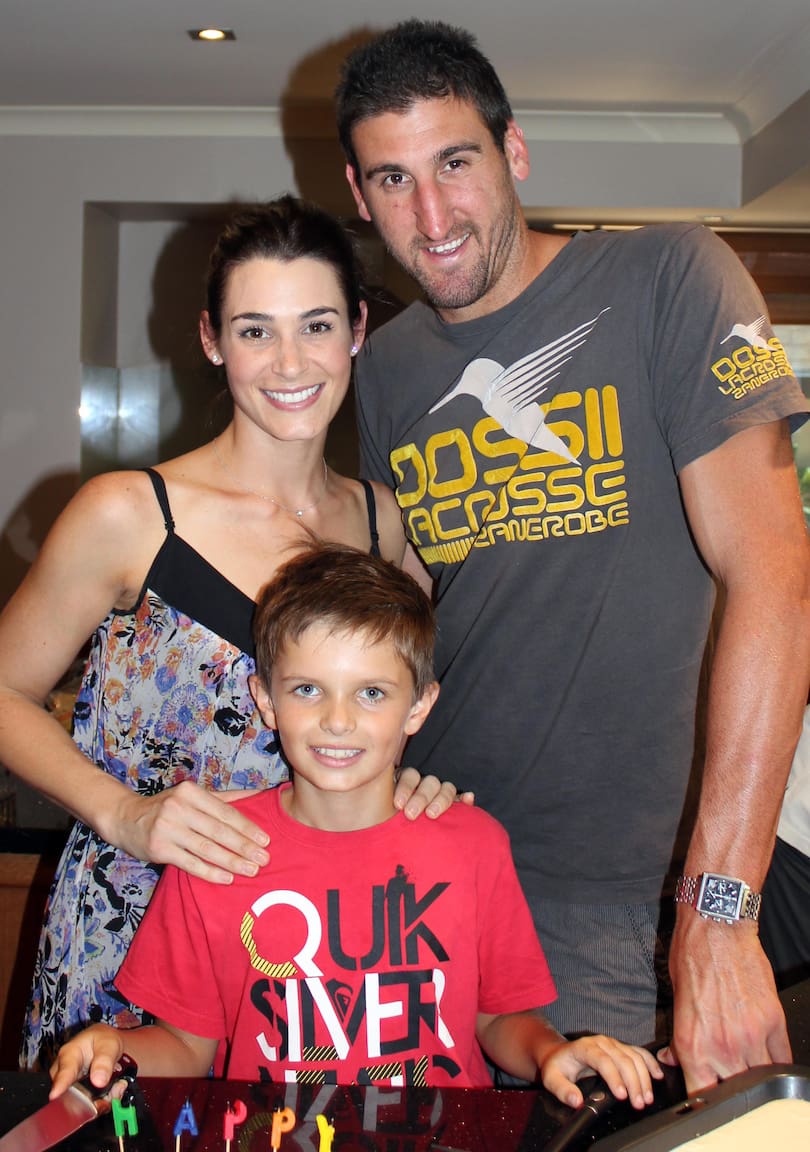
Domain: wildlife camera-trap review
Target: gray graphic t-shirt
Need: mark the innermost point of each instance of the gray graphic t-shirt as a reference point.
(535, 456)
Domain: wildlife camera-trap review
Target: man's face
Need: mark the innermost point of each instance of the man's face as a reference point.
(442, 195)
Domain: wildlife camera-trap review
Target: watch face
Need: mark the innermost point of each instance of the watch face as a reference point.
(720, 896)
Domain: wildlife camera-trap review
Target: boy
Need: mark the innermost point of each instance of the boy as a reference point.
(367, 950)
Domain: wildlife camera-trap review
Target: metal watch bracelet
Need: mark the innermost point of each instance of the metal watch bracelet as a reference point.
(687, 890)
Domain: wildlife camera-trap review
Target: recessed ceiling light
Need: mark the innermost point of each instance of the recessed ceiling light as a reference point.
(211, 35)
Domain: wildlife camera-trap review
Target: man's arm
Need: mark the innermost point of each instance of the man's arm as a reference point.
(744, 510)
(414, 567)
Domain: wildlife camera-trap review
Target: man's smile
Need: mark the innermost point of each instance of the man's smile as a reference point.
(448, 246)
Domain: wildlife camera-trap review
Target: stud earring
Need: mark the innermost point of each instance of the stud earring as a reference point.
(354, 350)
(215, 358)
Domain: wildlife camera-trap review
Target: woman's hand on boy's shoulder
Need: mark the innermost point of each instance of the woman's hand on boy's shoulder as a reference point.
(415, 794)
(193, 828)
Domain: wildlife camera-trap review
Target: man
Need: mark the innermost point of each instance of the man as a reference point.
(581, 433)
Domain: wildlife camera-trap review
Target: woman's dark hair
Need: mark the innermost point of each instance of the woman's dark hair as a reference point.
(418, 60)
(283, 229)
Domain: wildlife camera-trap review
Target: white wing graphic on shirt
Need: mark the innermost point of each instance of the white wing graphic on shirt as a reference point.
(510, 395)
(750, 333)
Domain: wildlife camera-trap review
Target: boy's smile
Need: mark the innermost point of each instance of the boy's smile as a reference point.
(342, 707)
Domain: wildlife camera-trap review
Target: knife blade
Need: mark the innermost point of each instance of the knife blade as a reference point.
(60, 1118)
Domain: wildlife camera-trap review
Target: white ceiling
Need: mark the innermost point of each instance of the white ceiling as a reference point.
(743, 62)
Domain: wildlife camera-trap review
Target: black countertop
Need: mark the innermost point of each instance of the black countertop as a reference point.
(367, 1119)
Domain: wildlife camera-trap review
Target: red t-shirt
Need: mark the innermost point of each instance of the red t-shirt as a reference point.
(354, 957)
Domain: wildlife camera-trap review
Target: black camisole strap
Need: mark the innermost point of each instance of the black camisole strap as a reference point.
(371, 504)
(162, 497)
(190, 584)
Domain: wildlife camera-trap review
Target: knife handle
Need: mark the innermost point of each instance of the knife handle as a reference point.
(125, 1069)
(596, 1103)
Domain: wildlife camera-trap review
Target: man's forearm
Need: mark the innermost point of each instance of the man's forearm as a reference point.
(727, 1014)
(756, 701)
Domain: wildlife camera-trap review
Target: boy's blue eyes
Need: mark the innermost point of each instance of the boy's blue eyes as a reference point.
(309, 691)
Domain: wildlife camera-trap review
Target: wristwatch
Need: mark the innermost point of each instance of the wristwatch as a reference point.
(724, 899)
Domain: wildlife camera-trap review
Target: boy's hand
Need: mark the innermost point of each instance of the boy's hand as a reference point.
(415, 794)
(628, 1071)
(94, 1052)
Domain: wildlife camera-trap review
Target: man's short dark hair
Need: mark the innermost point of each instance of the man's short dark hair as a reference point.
(418, 60)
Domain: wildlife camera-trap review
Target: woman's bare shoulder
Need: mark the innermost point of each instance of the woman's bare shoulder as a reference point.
(116, 500)
(93, 559)
(112, 527)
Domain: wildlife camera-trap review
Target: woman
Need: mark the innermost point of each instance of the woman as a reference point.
(161, 569)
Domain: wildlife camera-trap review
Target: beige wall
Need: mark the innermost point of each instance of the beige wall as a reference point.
(46, 183)
(74, 293)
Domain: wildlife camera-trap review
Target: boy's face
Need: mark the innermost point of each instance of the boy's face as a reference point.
(342, 707)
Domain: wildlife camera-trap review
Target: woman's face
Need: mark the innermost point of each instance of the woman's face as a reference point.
(286, 343)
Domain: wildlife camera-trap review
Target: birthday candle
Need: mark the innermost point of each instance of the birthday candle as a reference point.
(124, 1118)
(185, 1122)
(233, 1116)
(327, 1133)
(283, 1121)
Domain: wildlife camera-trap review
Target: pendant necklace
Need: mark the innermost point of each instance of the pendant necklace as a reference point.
(263, 495)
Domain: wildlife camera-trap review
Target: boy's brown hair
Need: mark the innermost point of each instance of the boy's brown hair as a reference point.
(348, 591)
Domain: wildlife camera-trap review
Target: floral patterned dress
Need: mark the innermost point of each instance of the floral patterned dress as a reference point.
(164, 698)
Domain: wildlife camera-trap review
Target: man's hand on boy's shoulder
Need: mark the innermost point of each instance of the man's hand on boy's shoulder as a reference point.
(415, 794)
(627, 1070)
